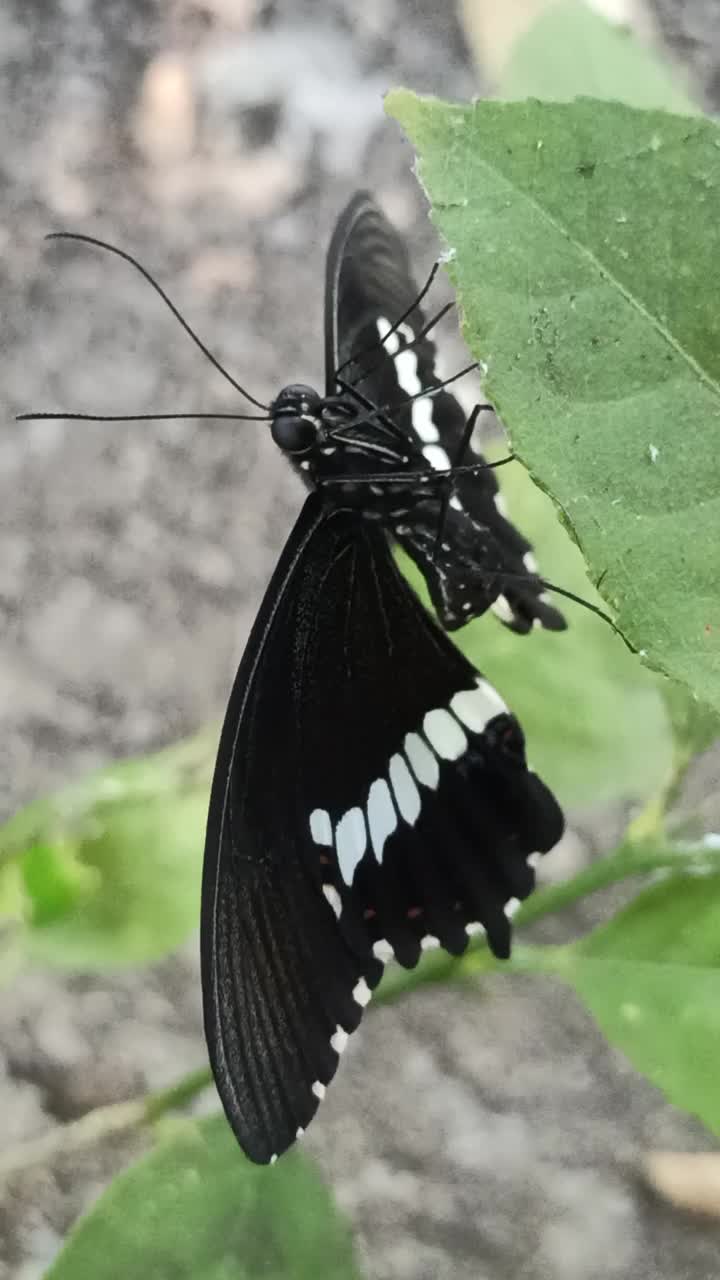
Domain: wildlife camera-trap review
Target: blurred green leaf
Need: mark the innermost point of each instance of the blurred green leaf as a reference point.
(571, 50)
(651, 979)
(594, 719)
(110, 867)
(695, 726)
(586, 241)
(196, 1209)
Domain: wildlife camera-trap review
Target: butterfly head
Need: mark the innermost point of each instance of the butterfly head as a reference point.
(296, 420)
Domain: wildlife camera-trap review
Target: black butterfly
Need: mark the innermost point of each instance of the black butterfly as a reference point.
(371, 795)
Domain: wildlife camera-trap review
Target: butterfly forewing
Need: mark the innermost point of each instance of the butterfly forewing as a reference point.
(369, 793)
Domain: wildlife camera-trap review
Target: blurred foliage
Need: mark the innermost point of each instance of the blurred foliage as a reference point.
(194, 1210)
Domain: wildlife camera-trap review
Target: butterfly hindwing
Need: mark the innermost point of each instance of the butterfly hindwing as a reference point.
(369, 287)
(371, 790)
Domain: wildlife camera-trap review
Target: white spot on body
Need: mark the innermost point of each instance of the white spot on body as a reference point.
(382, 819)
(455, 503)
(503, 609)
(406, 793)
(476, 707)
(444, 734)
(319, 1090)
(422, 761)
(350, 842)
(321, 826)
(362, 993)
(333, 898)
(338, 1040)
(305, 465)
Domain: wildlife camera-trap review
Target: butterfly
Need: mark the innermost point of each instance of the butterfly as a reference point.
(371, 795)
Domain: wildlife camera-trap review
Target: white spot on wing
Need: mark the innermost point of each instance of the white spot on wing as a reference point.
(501, 506)
(350, 842)
(473, 928)
(273, 1159)
(533, 859)
(300, 1133)
(422, 420)
(382, 819)
(333, 898)
(321, 826)
(382, 950)
(475, 707)
(422, 761)
(502, 609)
(406, 793)
(530, 562)
(319, 1090)
(437, 457)
(511, 907)
(429, 942)
(338, 1040)
(444, 734)
(362, 993)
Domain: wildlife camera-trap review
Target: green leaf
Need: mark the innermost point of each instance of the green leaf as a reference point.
(695, 726)
(196, 1209)
(570, 50)
(110, 867)
(594, 720)
(586, 240)
(651, 979)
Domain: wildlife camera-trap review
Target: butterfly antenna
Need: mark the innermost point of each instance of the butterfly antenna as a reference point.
(134, 417)
(374, 346)
(127, 257)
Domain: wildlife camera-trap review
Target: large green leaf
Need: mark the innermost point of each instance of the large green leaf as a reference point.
(570, 49)
(107, 872)
(594, 720)
(651, 978)
(585, 242)
(196, 1209)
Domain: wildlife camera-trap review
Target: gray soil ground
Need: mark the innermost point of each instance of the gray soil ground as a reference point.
(466, 1136)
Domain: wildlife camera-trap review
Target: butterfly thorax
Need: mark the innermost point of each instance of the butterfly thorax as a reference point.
(358, 455)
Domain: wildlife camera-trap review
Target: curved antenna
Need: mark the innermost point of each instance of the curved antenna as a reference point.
(134, 417)
(127, 257)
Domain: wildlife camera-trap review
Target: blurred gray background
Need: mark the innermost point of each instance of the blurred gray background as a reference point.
(466, 1136)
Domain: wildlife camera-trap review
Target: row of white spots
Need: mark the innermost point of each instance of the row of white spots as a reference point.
(444, 739)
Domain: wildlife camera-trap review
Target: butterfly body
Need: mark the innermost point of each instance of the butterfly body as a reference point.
(371, 795)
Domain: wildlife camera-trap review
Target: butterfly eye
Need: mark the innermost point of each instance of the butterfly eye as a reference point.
(294, 434)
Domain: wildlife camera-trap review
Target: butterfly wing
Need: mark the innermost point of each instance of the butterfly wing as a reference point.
(369, 287)
(370, 791)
